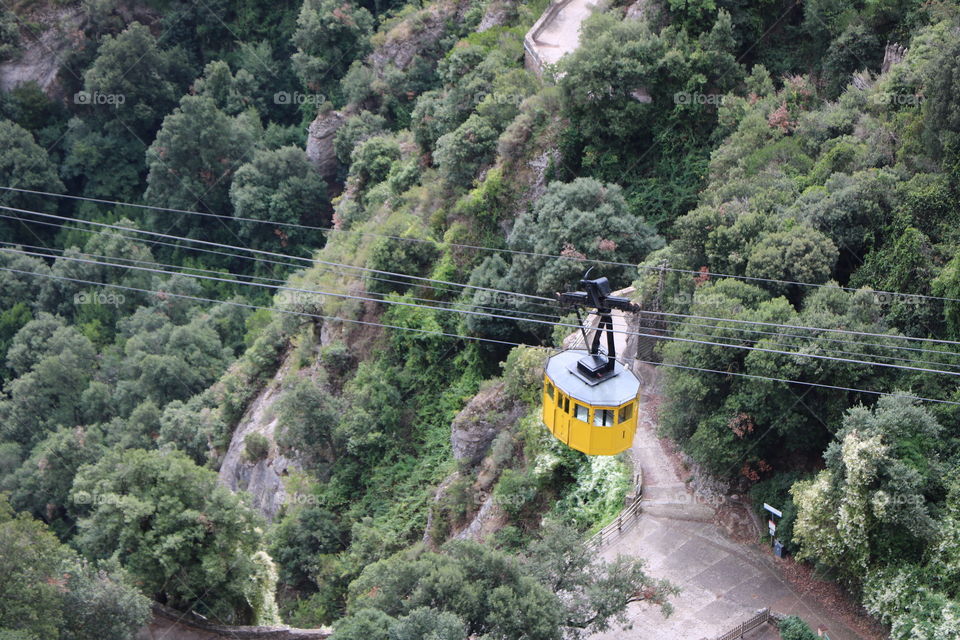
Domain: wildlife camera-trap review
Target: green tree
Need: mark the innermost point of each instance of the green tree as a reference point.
(101, 605)
(580, 220)
(41, 486)
(355, 130)
(54, 364)
(127, 90)
(308, 415)
(279, 186)
(9, 34)
(47, 592)
(800, 254)
(794, 628)
(145, 80)
(304, 534)
(12, 320)
(870, 506)
(561, 591)
(21, 287)
(190, 426)
(461, 153)
(25, 165)
(193, 160)
(30, 564)
(179, 533)
(330, 35)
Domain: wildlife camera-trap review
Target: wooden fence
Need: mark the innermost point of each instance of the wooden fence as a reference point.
(625, 519)
(763, 617)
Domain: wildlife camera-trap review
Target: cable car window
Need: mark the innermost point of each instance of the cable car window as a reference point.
(550, 390)
(603, 417)
(580, 413)
(566, 404)
(626, 412)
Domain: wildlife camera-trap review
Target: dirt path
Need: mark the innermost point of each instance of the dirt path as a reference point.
(723, 582)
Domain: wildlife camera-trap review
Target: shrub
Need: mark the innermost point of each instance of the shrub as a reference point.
(515, 491)
(255, 447)
(793, 628)
(523, 373)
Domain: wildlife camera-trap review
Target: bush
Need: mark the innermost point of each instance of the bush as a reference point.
(793, 628)
(515, 491)
(523, 374)
(255, 447)
(461, 153)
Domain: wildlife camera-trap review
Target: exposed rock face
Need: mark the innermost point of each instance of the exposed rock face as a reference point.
(320, 135)
(480, 421)
(489, 518)
(43, 51)
(263, 479)
(415, 34)
(649, 10)
(498, 13)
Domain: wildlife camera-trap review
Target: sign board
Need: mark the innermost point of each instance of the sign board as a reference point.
(775, 512)
(773, 527)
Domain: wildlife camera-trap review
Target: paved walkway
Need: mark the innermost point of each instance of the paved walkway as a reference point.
(722, 582)
(562, 34)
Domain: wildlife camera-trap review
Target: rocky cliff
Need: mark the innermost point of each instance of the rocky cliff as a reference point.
(264, 478)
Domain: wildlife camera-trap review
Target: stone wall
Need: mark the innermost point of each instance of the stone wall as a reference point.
(168, 624)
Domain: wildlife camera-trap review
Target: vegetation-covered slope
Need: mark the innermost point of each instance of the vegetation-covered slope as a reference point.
(759, 141)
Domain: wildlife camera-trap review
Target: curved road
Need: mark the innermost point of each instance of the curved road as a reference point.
(561, 35)
(722, 582)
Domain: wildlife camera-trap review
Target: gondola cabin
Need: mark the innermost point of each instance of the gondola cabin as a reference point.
(597, 418)
(590, 401)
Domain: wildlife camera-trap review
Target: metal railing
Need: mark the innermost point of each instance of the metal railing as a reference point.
(625, 519)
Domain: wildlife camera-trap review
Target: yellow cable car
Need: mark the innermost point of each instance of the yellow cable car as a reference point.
(590, 401)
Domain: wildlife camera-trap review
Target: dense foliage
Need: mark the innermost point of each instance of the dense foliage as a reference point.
(774, 170)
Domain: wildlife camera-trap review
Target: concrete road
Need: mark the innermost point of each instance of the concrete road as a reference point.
(562, 34)
(723, 582)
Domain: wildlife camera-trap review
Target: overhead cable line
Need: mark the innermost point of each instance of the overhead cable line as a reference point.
(184, 271)
(514, 318)
(301, 267)
(432, 302)
(473, 338)
(270, 253)
(486, 289)
(478, 247)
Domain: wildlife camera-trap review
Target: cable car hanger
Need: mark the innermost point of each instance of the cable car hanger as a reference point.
(598, 364)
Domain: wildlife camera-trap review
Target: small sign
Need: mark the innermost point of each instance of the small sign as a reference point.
(775, 512)
(773, 527)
